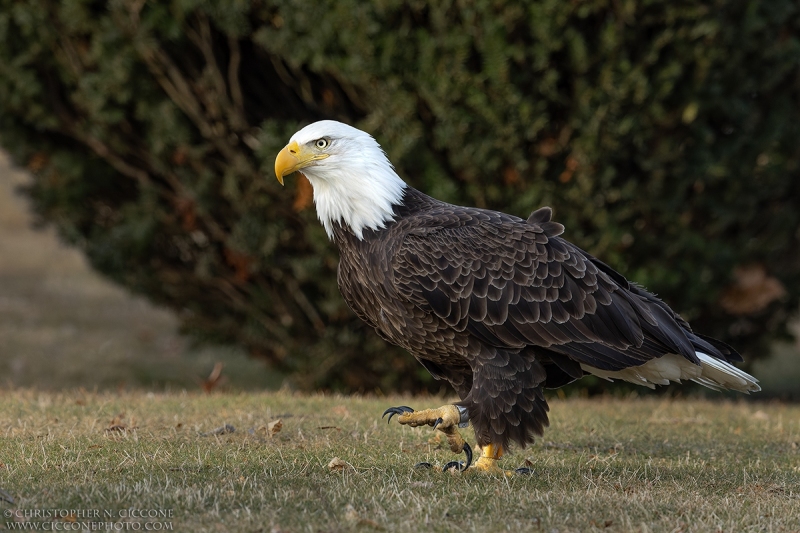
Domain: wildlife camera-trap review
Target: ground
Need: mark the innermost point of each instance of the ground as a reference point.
(329, 463)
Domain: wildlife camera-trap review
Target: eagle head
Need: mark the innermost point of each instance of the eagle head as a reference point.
(355, 184)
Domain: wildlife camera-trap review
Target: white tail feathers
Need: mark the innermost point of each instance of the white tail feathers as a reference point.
(719, 374)
(712, 373)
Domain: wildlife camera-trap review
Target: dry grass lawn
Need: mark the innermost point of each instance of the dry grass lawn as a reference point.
(605, 464)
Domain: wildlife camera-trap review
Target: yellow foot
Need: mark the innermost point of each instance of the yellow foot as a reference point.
(487, 463)
(446, 419)
(484, 465)
(445, 416)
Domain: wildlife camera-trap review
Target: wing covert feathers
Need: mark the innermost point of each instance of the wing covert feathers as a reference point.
(512, 285)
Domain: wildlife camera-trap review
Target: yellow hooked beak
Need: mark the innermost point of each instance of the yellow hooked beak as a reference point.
(292, 158)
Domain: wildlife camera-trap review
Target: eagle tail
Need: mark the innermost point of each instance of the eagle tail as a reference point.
(712, 372)
(717, 374)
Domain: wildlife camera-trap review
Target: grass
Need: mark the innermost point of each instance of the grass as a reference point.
(605, 464)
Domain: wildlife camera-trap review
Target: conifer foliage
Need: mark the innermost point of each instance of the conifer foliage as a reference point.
(665, 135)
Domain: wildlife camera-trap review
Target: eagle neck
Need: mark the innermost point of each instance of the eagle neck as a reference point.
(361, 199)
(412, 202)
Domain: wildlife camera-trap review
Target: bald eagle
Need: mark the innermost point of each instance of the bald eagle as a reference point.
(498, 306)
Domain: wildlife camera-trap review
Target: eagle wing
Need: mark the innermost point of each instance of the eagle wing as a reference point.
(514, 284)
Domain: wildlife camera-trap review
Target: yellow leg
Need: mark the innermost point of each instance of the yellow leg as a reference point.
(487, 462)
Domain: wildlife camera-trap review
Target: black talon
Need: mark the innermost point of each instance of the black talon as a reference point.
(438, 421)
(524, 471)
(424, 464)
(460, 465)
(402, 409)
(453, 464)
(468, 453)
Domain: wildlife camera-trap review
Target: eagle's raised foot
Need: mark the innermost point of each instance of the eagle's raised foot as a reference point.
(446, 419)
(442, 418)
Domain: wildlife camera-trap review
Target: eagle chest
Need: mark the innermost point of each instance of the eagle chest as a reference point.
(365, 284)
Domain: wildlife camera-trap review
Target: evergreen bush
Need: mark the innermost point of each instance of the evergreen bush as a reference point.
(664, 133)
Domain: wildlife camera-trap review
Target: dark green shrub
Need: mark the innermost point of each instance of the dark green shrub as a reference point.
(664, 133)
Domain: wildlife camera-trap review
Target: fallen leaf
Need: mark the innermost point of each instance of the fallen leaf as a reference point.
(337, 465)
(274, 427)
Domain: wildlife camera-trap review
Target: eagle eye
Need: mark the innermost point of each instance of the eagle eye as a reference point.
(321, 143)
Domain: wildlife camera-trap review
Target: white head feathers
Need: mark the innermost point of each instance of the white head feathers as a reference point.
(354, 182)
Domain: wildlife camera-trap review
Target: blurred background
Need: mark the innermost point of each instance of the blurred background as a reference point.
(62, 325)
(141, 136)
